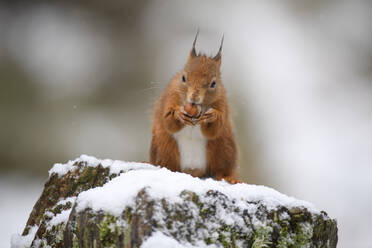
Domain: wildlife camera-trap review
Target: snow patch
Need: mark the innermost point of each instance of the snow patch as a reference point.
(63, 216)
(19, 241)
(115, 165)
(284, 216)
(60, 218)
(62, 169)
(121, 191)
(70, 199)
(158, 239)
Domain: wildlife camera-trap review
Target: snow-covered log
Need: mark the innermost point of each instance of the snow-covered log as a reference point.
(104, 203)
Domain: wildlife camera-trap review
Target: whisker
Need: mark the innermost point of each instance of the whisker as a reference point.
(153, 87)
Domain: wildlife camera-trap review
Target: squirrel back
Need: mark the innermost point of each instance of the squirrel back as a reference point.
(192, 130)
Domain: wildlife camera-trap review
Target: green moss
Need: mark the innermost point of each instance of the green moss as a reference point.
(233, 239)
(75, 241)
(223, 240)
(128, 214)
(109, 231)
(76, 229)
(191, 196)
(325, 231)
(43, 243)
(303, 236)
(205, 212)
(262, 237)
(300, 237)
(276, 219)
(285, 239)
(226, 236)
(208, 241)
(86, 175)
(59, 233)
(127, 236)
(86, 234)
(57, 209)
(226, 228)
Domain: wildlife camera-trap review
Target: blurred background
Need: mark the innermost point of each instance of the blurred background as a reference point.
(80, 77)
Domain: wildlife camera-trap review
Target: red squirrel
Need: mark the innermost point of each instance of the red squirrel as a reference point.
(192, 130)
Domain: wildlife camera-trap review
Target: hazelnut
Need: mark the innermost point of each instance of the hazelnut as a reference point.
(192, 110)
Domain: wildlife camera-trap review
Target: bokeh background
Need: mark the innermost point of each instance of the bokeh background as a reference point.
(80, 77)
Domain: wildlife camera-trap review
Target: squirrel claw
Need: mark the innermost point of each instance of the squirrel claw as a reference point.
(229, 179)
(184, 118)
(207, 117)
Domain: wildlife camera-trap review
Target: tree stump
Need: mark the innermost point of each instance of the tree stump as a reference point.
(103, 203)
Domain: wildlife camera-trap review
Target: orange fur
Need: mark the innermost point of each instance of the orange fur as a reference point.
(215, 124)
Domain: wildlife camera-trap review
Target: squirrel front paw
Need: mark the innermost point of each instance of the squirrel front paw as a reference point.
(208, 117)
(181, 115)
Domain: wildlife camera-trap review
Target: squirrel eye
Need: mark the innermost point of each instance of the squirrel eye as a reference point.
(213, 84)
(183, 78)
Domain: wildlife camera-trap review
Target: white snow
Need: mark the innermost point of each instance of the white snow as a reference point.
(60, 218)
(19, 241)
(64, 215)
(61, 169)
(158, 239)
(67, 200)
(120, 192)
(115, 165)
(284, 216)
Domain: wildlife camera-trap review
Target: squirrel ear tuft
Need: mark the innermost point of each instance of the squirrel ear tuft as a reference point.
(193, 51)
(218, 55)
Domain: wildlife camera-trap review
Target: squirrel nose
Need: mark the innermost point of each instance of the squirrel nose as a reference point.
(194, 97)
(194, 100)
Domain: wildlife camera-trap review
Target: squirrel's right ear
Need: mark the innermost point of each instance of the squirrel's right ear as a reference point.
(193, 51)
(218, 55)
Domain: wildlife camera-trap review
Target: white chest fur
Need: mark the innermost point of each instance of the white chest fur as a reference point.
(192, 148)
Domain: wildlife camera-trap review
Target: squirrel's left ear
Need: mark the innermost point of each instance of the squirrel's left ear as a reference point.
(218, 55)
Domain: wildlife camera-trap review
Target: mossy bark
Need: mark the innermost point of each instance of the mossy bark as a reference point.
(197, 218)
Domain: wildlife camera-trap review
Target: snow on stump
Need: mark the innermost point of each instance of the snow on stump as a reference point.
(104, 203)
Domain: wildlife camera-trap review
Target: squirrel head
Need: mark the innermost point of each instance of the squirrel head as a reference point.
(200, 81)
